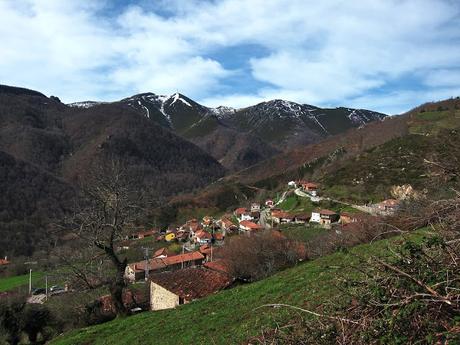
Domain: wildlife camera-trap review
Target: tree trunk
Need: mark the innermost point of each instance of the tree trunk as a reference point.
(116, 290)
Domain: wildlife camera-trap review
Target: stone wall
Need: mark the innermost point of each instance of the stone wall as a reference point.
(160, 298)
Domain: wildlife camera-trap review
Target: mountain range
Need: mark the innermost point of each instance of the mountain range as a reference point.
(175, 144)
(239, 138)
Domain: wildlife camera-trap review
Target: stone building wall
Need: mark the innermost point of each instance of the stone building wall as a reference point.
(160, 298)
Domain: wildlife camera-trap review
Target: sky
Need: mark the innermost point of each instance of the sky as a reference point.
(388, 55)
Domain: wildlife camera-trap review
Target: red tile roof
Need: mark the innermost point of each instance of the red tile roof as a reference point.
(227, 222)
(161, 263)
(192, 283)
(153, 265)
(203, 234)
(250, 225)
(177, 259)
(241, 210)
(219, 265)
(281, 214)
(4, 262)
(205, 249)
(163, 251)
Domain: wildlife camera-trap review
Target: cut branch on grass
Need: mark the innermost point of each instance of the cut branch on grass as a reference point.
(279, 305)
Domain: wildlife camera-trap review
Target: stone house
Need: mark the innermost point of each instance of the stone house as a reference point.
(171, 289)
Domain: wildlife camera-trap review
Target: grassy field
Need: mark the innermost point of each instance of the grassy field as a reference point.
(10, 283)
(301, 232)
(236, 315)
(297, 204)
(432, 122)
(294, 203)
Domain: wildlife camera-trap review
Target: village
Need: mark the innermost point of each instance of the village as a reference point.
(198, 269)
(186, 262)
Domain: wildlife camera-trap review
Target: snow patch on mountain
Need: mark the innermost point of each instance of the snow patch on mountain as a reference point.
(145, 108)
(320, 124)
(222, 111)
(85, 104)
(177, 97)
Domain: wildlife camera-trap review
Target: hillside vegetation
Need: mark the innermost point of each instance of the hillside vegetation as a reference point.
(426, 159)
(233, 316)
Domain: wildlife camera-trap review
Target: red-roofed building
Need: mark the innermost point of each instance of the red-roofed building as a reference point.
(243, 214)
(301, 218)
(171, 289)
(143, 234)
(269, 203)
(255, 207)
(192, 226)
(163, 253)
(202, 237)
(136, 271)
(309, 187)
(280, 216)
(227, 225)
(248, 226)
(324, 217)
(183, 260)
(207, 220)
(4, 262)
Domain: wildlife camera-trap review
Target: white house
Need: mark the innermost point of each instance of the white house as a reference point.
(315, 217)
(255, 207)
(243, 214)
(324, 217)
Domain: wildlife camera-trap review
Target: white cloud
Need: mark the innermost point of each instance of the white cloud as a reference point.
(235, 100)
(443, 77)
(401, 101)
(324, 53)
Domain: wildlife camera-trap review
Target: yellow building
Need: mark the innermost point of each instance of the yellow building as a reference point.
(169, 237)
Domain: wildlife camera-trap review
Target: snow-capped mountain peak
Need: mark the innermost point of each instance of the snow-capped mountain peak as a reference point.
(177, 97)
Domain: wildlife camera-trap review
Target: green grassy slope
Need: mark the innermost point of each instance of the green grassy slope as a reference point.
(369, 176)
(231, 317)
(11, 283)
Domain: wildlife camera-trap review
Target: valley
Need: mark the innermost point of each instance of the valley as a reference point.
(249, 227)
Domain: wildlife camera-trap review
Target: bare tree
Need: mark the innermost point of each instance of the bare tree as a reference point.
(260, 255)
(108, 205)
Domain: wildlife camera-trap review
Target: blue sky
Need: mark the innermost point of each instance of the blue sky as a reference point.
(387, 55)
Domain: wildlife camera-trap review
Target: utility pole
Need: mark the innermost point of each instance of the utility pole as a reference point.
(147, 262)
(211, 251)
(30, 281)
(182, 258)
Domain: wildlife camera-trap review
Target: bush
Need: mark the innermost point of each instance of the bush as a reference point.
(254, 257)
